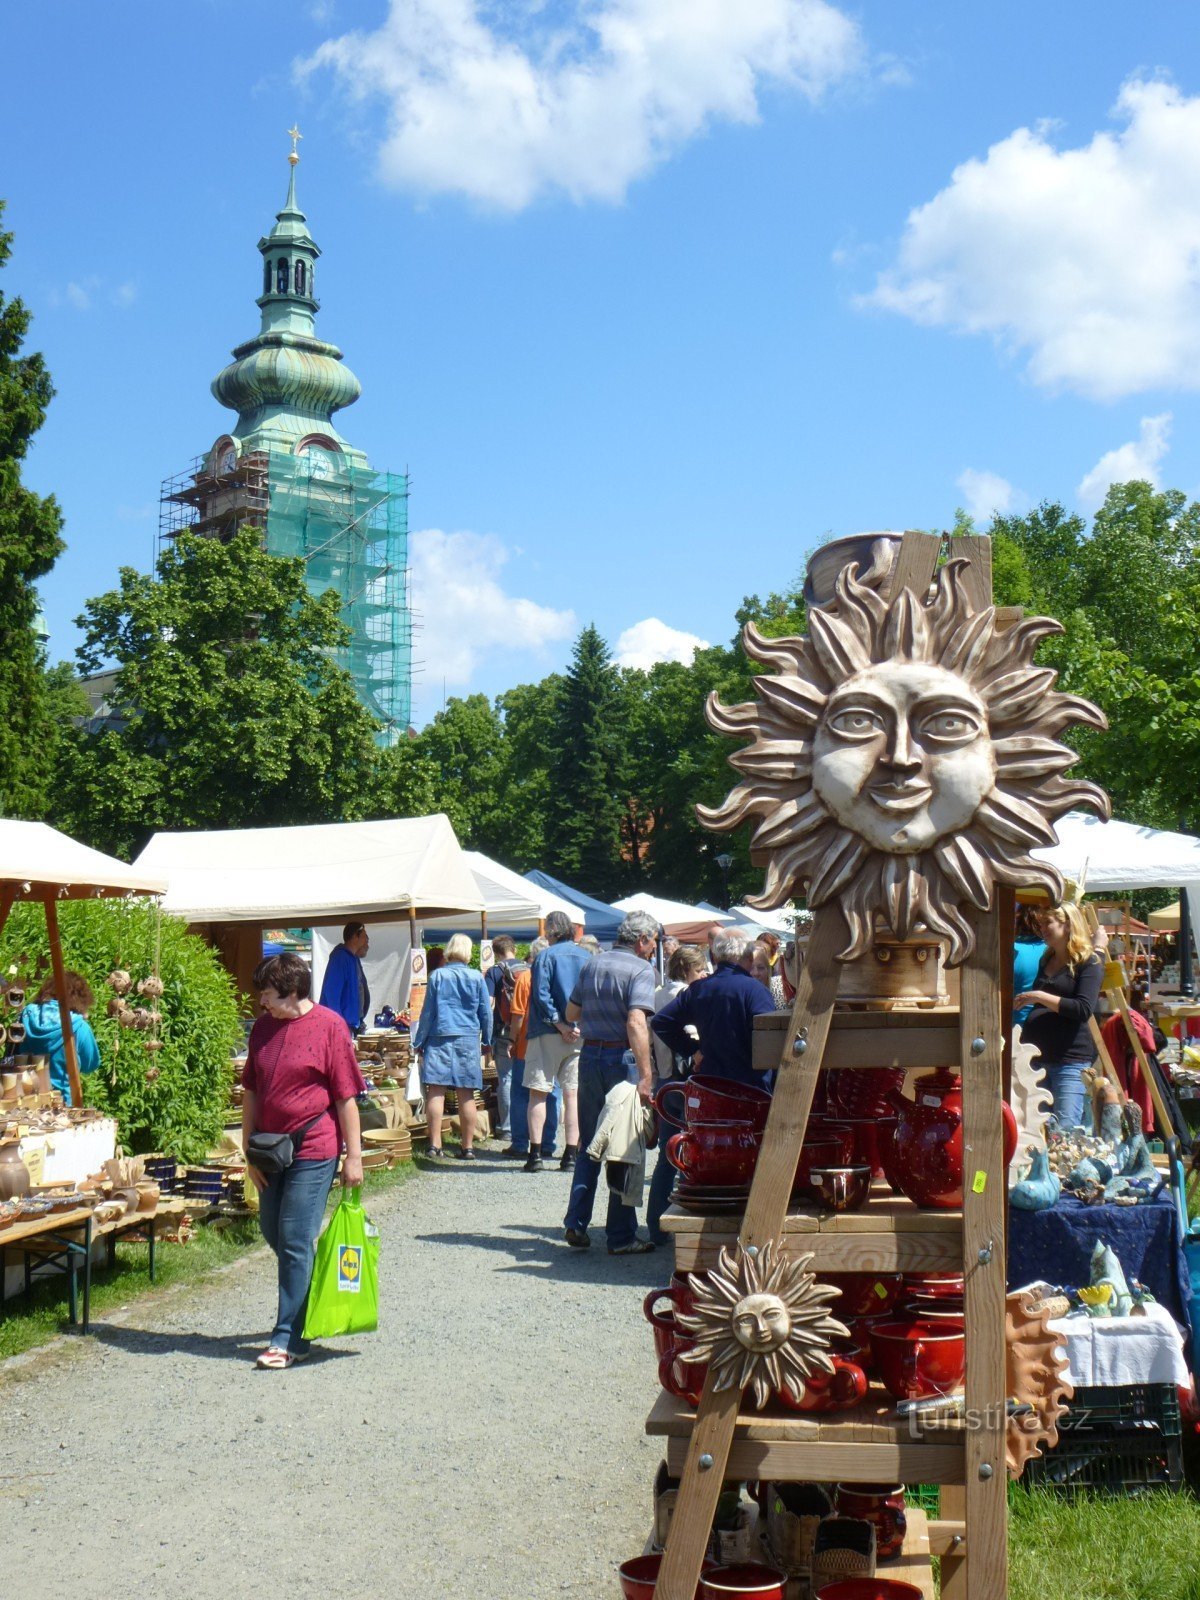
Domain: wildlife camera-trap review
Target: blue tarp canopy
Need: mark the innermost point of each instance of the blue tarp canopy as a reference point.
(599, 920)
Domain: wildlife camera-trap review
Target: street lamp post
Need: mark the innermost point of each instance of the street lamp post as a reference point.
(725, 862)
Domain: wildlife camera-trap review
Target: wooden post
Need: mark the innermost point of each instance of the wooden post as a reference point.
(483, 925)
(7, 897)
(60, 990)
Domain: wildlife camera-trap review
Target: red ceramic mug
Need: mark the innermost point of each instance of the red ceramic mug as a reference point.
(823, 1151)
(882, 1505)
(826, 1128)
(838, 1390)
(748, 1580)
(681, 1377)
(666, 1334)
(840, 1188)
(718, 1153)
(919, 1358)
(640, 1575)
(704, 1098)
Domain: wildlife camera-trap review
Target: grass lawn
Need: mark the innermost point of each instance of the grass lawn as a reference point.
(25, 1325)
(1103, 1549)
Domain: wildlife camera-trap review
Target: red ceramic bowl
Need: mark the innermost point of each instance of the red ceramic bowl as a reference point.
(821, 1151)
(640, 1575)
(864, 1294)
(855, 1093)
(718, 1153)
(869, 1589)
(747, 1579)
(840, 1188)
(919, 1358)
(824, 1128)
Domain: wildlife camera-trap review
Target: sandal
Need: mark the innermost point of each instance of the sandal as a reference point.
(273, 1359)
(464, 1155)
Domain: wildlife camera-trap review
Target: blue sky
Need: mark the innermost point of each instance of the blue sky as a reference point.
(650, 296)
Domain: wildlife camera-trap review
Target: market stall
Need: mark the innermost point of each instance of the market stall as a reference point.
(511, 904)
(685, 922)
(600, 920)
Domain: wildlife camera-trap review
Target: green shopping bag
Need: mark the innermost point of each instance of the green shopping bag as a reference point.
(344, 1294)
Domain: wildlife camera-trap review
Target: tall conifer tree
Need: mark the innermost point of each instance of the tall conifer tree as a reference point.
(30, 543)
(583, 825)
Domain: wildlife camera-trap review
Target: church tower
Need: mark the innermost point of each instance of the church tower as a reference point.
(285, 469)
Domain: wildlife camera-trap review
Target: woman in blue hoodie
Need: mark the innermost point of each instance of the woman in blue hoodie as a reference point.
(44, 1033)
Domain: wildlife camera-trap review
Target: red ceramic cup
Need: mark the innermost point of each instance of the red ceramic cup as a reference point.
(824, 1151)
(718, 1153)
(681, 1377)
(864, 1294)
(682, 1292)
(838, 1390)
(919, 1358)
(703, 1098)
(869, 1589)
(881, 1504)
(640, 1575)
(840, 1188)
(825, 1128)
(666, 1334)
(748, 1580)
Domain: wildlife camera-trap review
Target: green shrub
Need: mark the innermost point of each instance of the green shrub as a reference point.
(181, 1109)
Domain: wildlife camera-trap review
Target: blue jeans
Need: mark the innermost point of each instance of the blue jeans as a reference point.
(1065, 1083)
(600, 1069)
(518, 1113)
(290, 1211)
(504, 1071)
(661, 1185)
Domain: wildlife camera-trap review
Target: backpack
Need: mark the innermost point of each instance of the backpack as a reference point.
(505, 989)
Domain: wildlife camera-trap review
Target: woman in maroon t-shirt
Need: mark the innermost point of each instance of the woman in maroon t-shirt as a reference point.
(301, 1077)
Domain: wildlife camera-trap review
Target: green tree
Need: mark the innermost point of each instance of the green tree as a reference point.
(227, 708)
(30, 543)
(588, 774)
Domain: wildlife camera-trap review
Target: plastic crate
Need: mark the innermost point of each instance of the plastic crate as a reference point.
(1121, 1440)
(926, 1497)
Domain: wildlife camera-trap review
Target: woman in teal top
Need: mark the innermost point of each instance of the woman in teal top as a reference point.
(44, 1034)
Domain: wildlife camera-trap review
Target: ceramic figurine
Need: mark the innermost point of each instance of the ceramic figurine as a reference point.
(1106, 1269)
(1039, 1189)
(1030, 1101)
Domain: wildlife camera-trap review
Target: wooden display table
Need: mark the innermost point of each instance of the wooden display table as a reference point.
(63, 1243)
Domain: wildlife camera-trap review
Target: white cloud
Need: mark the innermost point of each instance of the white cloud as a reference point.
(651, 640)
(1085, 259)
(987, 495)
(125, 294)
(462, 612)
(1140, 458)
(580, 98)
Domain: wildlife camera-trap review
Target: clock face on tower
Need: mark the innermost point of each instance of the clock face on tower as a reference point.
(320, 463)
(228, 460)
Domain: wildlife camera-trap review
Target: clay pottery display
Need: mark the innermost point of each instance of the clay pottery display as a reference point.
(147, 1194)
(818, 1152)
(869, 1589)
(857, 1093)
(919, 1358)
(127, 1197)
(840, 1188)
(882, 1505)
(639, 1576)
(715, 1153)
(16, 1033)
(9, 1084)
(748, 1580)
(14, 1174)
(934, 1293)
(906, 970)
(928, 1140)
(703, 1098)
(865, 1294)
(838, 1390)
(15, 997)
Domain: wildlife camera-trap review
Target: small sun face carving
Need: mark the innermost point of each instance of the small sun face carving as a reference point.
(761, 1323)
(904, 760)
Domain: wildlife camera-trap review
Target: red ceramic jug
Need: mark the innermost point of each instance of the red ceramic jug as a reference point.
(927, 1145)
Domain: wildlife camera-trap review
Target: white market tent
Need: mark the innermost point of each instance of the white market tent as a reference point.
(1165, 920)
(684, 921)
(1109, 856)
(781, 922)
(39, 863)
(511, 903)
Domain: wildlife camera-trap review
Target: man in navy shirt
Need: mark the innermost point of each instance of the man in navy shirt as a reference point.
(722, 1010)
(344, 986)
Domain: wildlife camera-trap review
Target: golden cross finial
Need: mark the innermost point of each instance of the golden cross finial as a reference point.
(294, 134)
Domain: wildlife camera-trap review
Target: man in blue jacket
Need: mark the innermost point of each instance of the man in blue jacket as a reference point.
(344, 986)
(722, 1010)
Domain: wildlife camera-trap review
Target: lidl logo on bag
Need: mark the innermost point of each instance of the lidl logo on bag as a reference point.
(349, 1268)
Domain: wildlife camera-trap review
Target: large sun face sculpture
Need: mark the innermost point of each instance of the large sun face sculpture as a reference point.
(762, 1324)
(904, 760)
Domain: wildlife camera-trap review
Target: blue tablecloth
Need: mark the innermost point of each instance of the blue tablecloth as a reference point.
(1056, 1246)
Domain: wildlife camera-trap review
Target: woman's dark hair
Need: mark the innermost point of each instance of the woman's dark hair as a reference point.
(79, 994)
(1027, 924)
(286, 973)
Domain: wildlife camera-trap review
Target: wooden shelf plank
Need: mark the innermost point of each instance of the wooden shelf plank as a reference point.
(912, 1565)
(869, 1039)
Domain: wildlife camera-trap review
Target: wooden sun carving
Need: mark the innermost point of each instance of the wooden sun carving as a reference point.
(761, 1322)
(1035, 1366)
(904, 760)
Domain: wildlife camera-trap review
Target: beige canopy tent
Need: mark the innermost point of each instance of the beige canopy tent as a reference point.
(39, 863)
(229, 885)
(1165, 920)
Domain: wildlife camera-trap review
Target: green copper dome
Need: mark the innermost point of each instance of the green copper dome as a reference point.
(285, 384)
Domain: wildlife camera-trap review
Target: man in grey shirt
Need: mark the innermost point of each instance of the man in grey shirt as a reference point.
(612, 1001)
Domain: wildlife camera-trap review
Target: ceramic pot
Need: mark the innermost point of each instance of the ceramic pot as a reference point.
(865, 1294)
(16, 1034)
(885, 1149)
(928, 1141)
(819, 1152)
(749, 1580)
(821, 1127)
(934, 1293)
(838, 1390)
(856, 1093)
(14, 1174)
(704, 1098)
(718, 1153)
(919, 1358)
(147, 1194)
(9, 1083)
(881, 1504)
(869, 1589)
(840, 1188)
(639, 1576)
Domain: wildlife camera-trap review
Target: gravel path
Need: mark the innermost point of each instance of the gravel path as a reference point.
(487, 1442)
